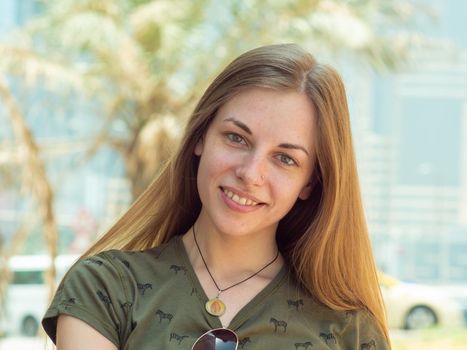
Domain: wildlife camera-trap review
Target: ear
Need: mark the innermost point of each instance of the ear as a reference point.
(305, 192)
(199, 147)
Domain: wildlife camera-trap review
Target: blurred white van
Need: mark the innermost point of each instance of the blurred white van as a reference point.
(26, 296)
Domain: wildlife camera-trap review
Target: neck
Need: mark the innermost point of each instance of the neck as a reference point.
(231, 258)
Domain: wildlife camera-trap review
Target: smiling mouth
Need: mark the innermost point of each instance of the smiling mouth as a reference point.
(239, 200)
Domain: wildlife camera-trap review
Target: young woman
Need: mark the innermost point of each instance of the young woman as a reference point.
(252, 237)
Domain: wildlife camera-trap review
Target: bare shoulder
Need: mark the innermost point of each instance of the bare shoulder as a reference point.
(74, 334)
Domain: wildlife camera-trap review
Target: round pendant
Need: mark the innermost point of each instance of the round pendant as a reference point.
(215, 307)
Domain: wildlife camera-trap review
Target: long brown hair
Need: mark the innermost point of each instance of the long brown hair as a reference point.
(325, 238)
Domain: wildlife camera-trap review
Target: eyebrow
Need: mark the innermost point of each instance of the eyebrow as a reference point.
(292, 146)
(245, 128)
(241, 125)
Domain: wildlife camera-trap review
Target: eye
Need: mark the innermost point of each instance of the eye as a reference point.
(235, 138)
(284, 158)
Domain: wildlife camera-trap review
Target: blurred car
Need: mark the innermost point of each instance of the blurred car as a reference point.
(416, 306)
(27, 296)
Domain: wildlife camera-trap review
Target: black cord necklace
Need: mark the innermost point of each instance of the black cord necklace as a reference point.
(216, 306)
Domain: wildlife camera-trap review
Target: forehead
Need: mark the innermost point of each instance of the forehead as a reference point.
(278, 113)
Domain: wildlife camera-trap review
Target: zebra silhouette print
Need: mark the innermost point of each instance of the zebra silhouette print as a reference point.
(278, 323)
(178, 338)
(243, 342)
(177, 268)
(104, 298)
(295, 303)
(303, 345)
(142, 287)
(163, 316)
(328, 337)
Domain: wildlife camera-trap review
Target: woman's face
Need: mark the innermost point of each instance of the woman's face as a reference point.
(256, 160)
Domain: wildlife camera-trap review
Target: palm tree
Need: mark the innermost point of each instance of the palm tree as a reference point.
(151, 59)
(38, 182)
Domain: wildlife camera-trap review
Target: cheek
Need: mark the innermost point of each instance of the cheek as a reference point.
(211, 171)
(287, 190)
(214, 164)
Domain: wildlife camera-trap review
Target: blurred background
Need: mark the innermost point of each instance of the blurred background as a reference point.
(94, 96)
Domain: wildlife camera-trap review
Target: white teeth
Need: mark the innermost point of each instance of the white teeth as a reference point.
(240, 200)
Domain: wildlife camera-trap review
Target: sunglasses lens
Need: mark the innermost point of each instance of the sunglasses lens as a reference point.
(217, 339)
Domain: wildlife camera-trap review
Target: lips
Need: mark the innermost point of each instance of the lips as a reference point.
(240, 199)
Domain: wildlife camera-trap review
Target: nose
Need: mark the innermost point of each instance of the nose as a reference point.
(251, 170)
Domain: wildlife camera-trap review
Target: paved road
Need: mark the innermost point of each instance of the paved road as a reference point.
(21, 343)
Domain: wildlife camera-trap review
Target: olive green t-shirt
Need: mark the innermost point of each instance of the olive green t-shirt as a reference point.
(153, 300)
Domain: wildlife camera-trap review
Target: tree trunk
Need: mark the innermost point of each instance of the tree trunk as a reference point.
(37, 177)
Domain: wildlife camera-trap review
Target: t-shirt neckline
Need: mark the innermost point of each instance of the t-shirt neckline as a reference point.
(244, 313)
